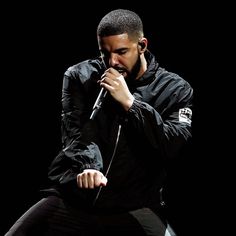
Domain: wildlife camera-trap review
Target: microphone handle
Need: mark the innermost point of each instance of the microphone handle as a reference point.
(98, 103)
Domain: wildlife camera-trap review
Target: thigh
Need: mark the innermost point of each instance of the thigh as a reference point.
(141, 222)
(51, 216)
(150, 222)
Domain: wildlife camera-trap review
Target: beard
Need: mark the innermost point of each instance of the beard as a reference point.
(132, 75)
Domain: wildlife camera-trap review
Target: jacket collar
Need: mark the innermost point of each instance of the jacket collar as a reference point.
(149, 74)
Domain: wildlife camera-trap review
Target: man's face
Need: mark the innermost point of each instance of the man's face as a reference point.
(121, 53)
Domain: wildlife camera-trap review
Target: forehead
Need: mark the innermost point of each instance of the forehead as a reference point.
(120, 39)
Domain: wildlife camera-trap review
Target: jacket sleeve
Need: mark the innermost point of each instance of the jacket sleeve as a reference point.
(165, 123)
(80, 148)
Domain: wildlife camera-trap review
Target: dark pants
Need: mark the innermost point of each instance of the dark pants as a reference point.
(52, 216)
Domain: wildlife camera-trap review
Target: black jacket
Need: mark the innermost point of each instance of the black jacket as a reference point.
(149, 135)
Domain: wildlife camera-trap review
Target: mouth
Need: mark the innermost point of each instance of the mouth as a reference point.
(120, 71)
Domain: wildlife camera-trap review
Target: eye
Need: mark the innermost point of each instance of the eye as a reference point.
(122, 51)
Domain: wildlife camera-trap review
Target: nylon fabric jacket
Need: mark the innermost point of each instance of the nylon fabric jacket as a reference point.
(152, 133)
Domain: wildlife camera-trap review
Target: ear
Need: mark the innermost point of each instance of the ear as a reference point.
(142, 44)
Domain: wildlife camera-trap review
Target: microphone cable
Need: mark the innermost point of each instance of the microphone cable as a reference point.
(109, 166)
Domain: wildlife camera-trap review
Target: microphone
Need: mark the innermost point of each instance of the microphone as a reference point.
(98, 103)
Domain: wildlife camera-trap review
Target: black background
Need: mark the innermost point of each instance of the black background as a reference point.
(40, 41)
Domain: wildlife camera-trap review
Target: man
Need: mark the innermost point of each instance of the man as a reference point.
(109, 175)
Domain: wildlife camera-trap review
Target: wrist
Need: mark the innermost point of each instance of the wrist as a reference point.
(128, 103)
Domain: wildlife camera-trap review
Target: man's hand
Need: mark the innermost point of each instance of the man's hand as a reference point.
(115, 83)
(91, 178)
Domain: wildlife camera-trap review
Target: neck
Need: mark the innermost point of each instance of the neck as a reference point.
(143, 66)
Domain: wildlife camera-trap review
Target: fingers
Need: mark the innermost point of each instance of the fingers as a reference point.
(90, 179)
(103, 181)
(110, 75)
(112, 81)
(111, 71)
(115, 84)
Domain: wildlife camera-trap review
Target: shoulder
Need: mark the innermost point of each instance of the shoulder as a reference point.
(174, 89)
(173, 80)
(171, 76)
(85, 69)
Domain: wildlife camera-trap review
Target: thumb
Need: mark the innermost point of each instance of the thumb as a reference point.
(103, 181)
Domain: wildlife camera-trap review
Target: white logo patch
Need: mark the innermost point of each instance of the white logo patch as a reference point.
(185, 115)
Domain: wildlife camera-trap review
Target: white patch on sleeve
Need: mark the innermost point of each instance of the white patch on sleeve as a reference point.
(185, 115)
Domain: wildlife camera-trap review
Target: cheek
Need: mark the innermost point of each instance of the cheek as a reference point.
(130, 61)
(133, 61)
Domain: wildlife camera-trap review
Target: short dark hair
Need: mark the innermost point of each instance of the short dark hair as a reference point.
(121, 21)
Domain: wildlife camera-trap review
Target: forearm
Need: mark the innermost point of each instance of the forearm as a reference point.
(166, 135)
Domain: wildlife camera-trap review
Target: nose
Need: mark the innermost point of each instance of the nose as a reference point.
(113, 60)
